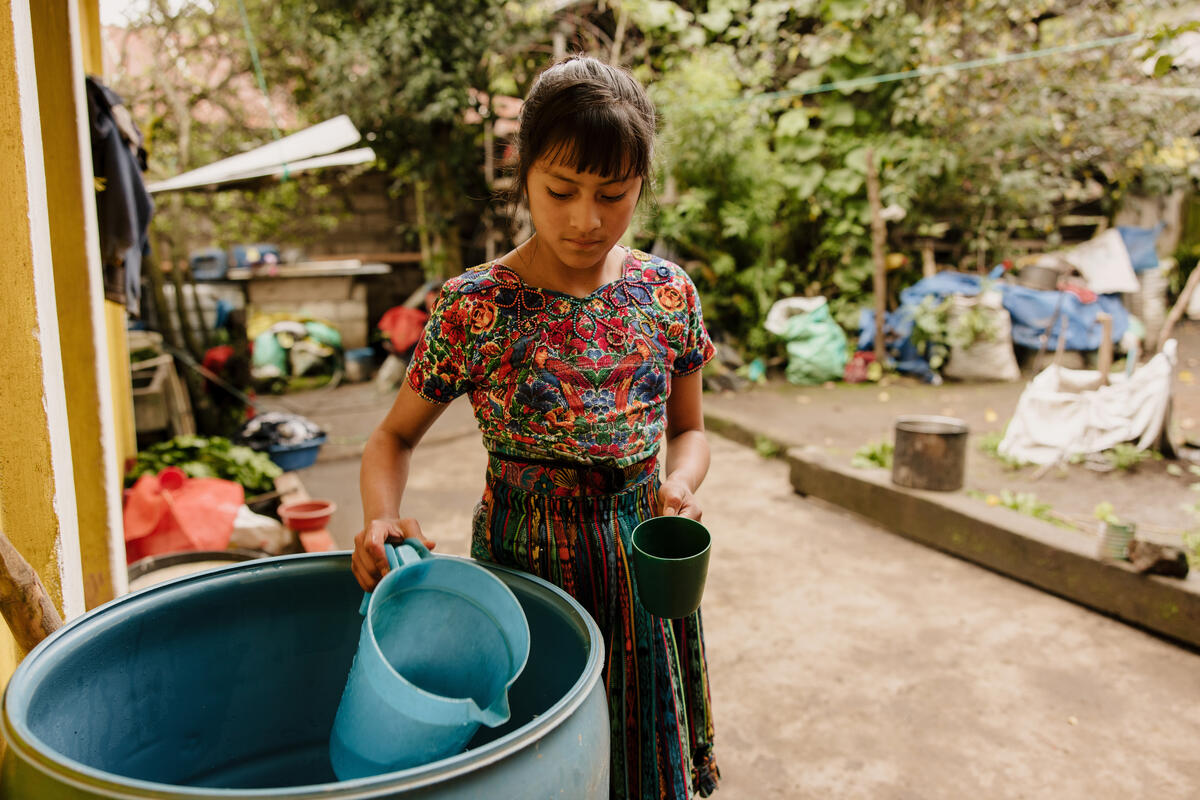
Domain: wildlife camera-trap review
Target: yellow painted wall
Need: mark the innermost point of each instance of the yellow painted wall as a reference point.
(45, 204)
(78, 288)
(121, 381)
(27, 480)
(89, 36)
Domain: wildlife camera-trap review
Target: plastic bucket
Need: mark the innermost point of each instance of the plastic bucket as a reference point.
(224, 685)
(441, 643)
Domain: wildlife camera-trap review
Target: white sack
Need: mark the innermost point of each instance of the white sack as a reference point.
(990, 359)
(258, 532)
(1104, 263)
(1061, 414)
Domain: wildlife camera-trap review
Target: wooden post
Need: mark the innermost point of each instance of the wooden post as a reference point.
(928, 261)
(23, 600)
(152, 270)
(423, 227)
(878, 242)
(1060, 346)
(1104, 361)
(1180, 306)
(489, 177)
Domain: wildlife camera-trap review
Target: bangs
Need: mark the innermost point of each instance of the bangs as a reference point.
(604, 141)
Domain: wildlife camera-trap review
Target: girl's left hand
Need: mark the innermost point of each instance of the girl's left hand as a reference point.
(675, 498)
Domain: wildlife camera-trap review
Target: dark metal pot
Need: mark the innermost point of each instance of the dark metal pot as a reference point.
(930, 453)
(1033, 276)
(224, 684)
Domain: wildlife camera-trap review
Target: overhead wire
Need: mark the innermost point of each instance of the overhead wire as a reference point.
(261, 78)
(922, 72)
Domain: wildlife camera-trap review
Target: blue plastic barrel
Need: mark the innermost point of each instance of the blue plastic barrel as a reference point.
(224, 684)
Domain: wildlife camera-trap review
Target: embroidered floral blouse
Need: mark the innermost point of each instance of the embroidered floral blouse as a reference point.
(553, 376)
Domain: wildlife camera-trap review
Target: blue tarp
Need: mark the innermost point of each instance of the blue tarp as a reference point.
(1142, 245)
(1031, 310)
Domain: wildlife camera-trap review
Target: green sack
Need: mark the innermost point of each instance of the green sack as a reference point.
(270, 354)
(324, 334)
(816, 344)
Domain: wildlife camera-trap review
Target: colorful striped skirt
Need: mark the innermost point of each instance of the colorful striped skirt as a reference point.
(572, 525)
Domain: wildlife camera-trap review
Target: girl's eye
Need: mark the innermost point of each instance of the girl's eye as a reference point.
(558, 195)
(612, 198)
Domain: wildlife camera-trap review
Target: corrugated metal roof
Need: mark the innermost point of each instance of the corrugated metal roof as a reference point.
(311, 148)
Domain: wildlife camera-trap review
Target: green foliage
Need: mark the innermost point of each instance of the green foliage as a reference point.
(989, 443)
(295, 213)
(776, 203)
(1127, 456)
(761, 188)
(408, 72)
(1022, 502)
(1106, 513)
(1123, 456)
(874, 454)
(767, 447)
(208, 457)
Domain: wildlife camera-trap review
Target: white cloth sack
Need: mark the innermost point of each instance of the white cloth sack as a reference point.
(1061, 413)
(1104, 263)
(985, 359)
(258, 532)
(783, 310)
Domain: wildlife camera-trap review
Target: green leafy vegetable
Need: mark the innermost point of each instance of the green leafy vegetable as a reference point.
(208, 457)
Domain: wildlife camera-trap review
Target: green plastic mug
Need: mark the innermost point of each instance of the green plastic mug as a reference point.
(670, 564)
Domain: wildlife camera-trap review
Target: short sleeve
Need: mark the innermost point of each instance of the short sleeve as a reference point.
(695, 348)
(438, 371)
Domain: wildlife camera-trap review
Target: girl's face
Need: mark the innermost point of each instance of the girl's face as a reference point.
(579, 216)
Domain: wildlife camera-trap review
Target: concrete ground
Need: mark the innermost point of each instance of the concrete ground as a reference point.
(850, 663)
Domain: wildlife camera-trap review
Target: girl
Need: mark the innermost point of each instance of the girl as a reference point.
(578, 355)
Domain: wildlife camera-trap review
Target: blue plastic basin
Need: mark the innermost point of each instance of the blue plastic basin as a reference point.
(224, 684)
(290, 457)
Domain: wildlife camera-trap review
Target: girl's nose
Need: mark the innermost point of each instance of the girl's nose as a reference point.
(585, 215)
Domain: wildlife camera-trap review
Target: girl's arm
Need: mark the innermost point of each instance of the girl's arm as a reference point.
(687, 448)
(382, 478)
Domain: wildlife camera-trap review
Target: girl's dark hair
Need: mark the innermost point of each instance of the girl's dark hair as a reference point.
(588, 116)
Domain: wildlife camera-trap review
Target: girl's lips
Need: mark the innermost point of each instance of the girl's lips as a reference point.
(585, 243)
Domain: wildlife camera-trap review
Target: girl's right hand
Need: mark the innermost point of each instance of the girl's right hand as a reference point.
(369, 562)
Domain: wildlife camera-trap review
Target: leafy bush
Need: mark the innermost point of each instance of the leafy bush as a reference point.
(764, 186)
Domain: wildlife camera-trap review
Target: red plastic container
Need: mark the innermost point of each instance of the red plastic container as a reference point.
(307, 515)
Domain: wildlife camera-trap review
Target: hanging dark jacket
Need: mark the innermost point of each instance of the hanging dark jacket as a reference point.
(123, 206)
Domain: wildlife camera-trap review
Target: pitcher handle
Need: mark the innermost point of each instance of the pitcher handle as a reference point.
(409, 551)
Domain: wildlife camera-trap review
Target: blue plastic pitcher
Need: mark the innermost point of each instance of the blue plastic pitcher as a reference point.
(441, 644)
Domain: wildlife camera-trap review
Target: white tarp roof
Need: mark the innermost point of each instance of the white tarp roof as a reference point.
(310, 148)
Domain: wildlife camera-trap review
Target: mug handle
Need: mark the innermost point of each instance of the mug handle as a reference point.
(409, 551)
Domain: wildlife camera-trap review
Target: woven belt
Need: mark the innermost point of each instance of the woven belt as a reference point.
(569, 479)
